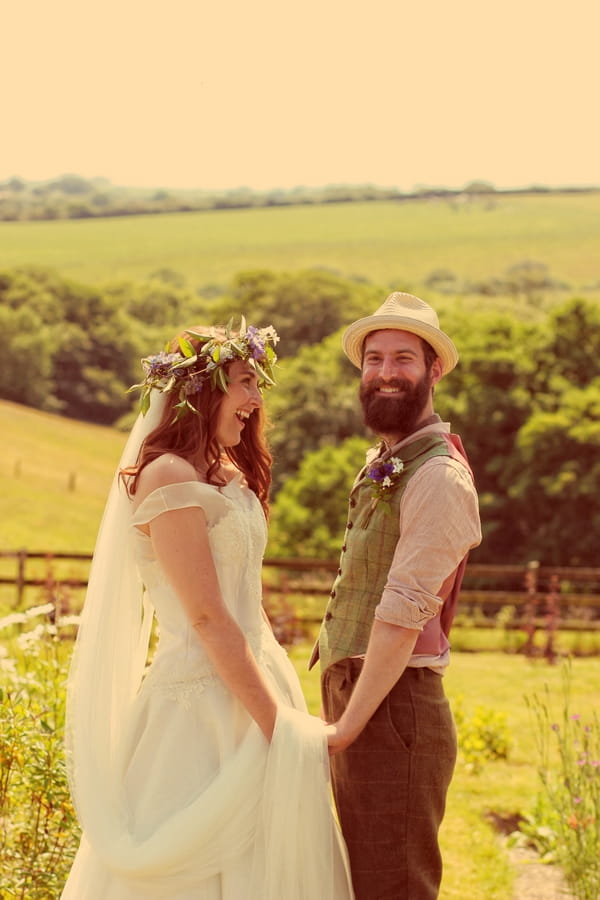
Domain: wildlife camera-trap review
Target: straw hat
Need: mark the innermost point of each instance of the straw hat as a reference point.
(406, 313)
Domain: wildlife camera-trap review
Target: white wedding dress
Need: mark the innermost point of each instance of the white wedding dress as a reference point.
(202, 807)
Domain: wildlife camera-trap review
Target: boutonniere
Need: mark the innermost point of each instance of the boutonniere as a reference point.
(384, 475)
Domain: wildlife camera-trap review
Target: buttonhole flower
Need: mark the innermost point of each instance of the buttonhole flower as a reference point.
(384, 475)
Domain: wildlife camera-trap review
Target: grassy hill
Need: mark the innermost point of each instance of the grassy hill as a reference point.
(389, 243)
(54, 477)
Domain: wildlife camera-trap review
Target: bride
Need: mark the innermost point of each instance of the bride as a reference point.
(200, 775)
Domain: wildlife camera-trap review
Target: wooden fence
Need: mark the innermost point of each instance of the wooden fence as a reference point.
(531, 595)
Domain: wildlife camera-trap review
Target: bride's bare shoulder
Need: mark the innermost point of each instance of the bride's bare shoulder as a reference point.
(165, 469)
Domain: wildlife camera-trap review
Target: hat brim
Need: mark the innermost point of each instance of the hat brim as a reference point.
(354, 337)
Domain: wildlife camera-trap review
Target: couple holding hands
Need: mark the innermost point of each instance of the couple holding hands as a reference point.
(202, 776)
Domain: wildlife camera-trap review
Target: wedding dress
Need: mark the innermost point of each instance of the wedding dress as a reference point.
(195, 804)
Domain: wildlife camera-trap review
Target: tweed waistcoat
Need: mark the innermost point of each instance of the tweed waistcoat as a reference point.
(370, 541)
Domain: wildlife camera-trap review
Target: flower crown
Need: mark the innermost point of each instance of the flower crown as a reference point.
(187, 371)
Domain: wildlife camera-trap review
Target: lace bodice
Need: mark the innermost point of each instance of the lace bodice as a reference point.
(237, 536)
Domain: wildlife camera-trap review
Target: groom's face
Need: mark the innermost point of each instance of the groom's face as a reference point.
(396, 384)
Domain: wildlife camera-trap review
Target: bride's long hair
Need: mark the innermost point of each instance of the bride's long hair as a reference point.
(197, 431)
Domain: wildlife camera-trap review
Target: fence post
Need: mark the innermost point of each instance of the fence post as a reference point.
(21, 560)
(531, 578)
(552, 617)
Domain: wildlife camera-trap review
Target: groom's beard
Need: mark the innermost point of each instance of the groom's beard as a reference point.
(397, 414)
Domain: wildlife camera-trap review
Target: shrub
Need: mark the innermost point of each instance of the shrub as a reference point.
(482, 737)
(39, 833)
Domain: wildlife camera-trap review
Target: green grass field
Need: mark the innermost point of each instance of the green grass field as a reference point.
(390, 244)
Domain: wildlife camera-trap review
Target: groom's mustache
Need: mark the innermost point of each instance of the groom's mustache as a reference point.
(373, 386)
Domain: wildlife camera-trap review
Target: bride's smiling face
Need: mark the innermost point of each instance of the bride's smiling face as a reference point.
(241, 400)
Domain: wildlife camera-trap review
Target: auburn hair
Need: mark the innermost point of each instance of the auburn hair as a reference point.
(197, 431)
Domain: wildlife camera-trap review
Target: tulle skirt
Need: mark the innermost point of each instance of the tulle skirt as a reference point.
(208, 810)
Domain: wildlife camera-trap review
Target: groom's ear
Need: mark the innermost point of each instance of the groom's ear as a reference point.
(436, 373)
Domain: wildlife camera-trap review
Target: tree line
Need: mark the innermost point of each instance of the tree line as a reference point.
(71, 196)
(525, 397)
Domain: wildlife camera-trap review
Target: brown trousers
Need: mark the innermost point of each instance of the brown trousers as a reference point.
(390, 785)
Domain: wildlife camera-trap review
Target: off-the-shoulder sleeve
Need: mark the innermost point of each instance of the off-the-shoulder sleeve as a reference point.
(181, 495)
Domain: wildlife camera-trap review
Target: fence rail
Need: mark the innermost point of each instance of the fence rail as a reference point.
(535, 591)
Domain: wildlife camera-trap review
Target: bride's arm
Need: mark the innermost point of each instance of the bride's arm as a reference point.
(180, 541)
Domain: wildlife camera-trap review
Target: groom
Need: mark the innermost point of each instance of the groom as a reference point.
(383, 645)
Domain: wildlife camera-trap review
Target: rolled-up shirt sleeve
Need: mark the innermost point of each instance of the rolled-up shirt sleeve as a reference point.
(439, 524)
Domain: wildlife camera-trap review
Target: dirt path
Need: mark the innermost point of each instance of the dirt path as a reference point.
(536, 881)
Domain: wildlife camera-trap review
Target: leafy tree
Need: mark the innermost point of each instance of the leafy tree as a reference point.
(30, 315)
(309, 514)
(81, 347)
(35, 288)
(26, 361)
(487, 399)
(159, 302)
(94, 367)
(556, 493)
(314, 404)
(17, 185)
(509, 395)
(529, 279)
(71, 184)
(304, 307)
(566, 353)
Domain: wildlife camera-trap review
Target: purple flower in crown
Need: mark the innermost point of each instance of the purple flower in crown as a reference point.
(256, 342)
(193, 384)
(257, 339)
(160, 365)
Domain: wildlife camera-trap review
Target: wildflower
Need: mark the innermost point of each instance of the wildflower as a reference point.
(384, 475)
(29, 640)
(193, 385)
(257, 346)
(13, 619)
(42, 610)
(161, 364)
(7, 664)
(70, 620)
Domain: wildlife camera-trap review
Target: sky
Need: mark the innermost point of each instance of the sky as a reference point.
(272, 94)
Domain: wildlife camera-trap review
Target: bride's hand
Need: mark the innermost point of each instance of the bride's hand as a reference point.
(337, 738)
